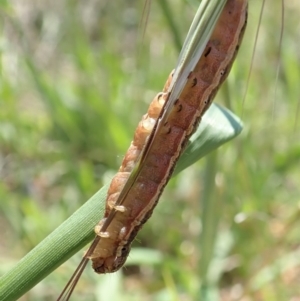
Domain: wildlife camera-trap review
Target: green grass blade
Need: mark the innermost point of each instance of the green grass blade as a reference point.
(77, 231)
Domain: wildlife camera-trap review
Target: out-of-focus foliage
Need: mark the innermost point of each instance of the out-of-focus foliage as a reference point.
(75, 80)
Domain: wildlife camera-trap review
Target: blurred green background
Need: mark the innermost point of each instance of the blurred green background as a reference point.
(76, 78)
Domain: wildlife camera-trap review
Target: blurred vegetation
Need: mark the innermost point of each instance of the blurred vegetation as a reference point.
(75, 79)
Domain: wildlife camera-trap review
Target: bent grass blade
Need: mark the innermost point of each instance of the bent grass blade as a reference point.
(218, 126)
(181, 73)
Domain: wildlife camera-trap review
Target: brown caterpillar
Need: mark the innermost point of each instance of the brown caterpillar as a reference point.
(170, 139)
